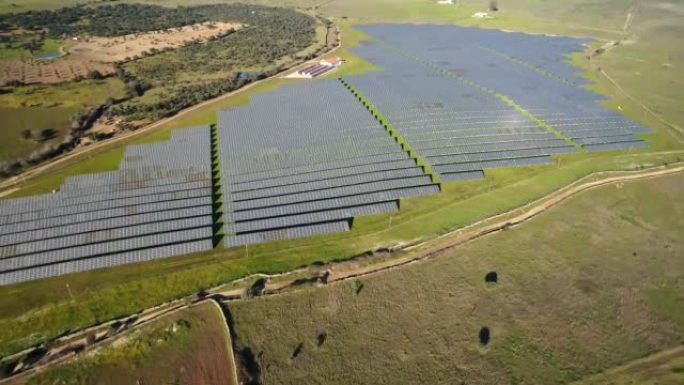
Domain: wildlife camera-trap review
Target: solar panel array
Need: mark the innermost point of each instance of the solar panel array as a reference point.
(306, 159)
(531, 70)
(457, 128)
(158, 204)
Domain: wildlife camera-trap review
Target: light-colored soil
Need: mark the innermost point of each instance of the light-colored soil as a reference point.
(32, 71)
(98, 53)
(108, 49)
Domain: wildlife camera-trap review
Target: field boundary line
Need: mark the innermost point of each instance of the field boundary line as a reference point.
(229, 339)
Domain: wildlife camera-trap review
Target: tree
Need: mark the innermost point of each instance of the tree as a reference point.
(95, 74)
(47, 134)
(27, 134)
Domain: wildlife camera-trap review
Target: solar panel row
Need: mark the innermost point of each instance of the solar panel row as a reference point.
(158, 204)
(530, 70)
(284, 174)
(288, 233)
(134, 256)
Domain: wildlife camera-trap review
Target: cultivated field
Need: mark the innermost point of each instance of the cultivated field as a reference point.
(188, 347)
(96, 53)
(665, 368)
(32, 71)
(573, 297)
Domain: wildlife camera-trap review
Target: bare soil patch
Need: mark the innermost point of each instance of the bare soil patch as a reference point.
(32, 71)
(98, 53)
(127, 47)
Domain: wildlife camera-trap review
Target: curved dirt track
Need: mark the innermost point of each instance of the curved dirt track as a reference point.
(453, 239)
(424, 251)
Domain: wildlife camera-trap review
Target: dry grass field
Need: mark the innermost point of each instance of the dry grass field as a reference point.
(107, 49)
(586, 286)
(665, 368)
(190, 347)
(97, 53)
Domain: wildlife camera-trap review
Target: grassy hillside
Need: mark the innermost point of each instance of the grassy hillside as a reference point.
(41, 107)
(665, 368)
(188, 347)
(574, 296)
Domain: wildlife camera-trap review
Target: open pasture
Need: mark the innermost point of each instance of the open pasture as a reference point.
(555, 312)
(191, 346)
(37, 119)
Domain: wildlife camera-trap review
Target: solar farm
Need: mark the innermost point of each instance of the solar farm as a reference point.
(308, 158)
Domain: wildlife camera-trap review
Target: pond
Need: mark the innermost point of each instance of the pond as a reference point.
(48, 55)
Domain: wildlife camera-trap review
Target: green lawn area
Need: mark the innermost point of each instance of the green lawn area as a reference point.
(188, 347)
(15, 52)
(7, 6)
(573, 298)
(48, 107)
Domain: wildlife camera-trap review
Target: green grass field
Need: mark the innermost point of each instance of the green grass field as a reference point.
(39, 107)
(109, 293)
(188, 347)
(574, 296)
(666, 368)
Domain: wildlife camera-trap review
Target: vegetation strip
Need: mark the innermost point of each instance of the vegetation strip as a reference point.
(420, 161)
(216, 196)
(428, 250)
(490, 91)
